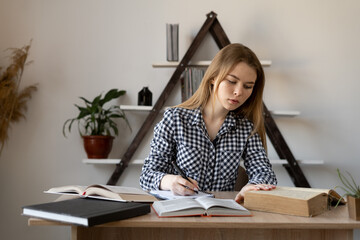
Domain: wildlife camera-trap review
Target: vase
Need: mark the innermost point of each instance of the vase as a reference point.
(98, 146)
(145, 97)
(354, 207)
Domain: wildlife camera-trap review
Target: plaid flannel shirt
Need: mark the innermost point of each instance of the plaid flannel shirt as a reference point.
(181, 135)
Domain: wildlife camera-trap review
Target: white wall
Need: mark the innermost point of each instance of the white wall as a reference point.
(82, 47)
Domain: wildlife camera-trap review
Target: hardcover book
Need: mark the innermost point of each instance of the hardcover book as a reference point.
(202, 206)
(105, 192)
(172, 42)
(86, 212)
(292, 200)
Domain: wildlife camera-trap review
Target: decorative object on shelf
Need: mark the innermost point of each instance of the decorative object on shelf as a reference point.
(145, 97)
(352, 193)
(13, 100)
(96, 123)
(172, 42)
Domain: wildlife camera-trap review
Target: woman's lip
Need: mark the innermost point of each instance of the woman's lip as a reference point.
(233, 101)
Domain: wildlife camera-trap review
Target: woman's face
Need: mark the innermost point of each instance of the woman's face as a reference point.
(236, 87)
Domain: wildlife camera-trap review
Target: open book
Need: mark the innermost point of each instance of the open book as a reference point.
(292, 200)
(202, 206)
(106, 192)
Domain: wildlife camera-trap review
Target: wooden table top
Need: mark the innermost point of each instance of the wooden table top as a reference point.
(336, 218)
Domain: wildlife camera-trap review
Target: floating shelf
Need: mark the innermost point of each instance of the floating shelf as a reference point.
(111, 161)
(141, 161)
(276, 113)
(264, 63)
(136, 108)
(301, 162)
(283, 113)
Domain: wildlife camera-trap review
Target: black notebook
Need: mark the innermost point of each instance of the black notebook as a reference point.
(86, 212)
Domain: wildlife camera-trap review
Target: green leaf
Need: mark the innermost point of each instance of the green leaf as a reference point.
(96, 101)
(346, 182)
(112, 94)
(350, 187)
(85, 100)
(64, 126)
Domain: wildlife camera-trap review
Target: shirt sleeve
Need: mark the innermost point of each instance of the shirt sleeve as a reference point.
(257, 164)
(162, 151)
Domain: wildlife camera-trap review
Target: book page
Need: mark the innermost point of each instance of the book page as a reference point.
(176, 205)
(315, 190)
(106, 192)
(70, 189)
(119, 189)
(163, 194)
(95, 191)
(207, 203)
(297, 193)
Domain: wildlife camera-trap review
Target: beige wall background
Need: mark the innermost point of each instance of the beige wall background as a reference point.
(84, 47)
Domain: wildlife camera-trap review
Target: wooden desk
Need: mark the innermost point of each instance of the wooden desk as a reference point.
(334, 224)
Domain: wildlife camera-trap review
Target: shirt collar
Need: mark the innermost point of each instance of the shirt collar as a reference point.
(196, 117)
(229, 123)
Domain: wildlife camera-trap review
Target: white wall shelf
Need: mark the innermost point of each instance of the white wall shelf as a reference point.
(136, 108)
(141, 161)
(284, 113)
(111, 161)
(301, 162)
(264, 63)
(275, 113)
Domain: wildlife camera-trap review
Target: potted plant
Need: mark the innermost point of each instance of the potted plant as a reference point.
(352, 193)
(96, 123)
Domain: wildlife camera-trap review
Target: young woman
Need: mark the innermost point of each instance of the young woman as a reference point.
(212, 131)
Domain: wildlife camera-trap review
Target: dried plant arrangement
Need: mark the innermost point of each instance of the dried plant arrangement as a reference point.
(13, 101)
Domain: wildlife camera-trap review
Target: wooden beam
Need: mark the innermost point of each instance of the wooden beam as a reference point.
(283, 150)
(211, 17)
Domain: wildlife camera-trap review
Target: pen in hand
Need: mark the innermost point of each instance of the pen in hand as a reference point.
(182, 174)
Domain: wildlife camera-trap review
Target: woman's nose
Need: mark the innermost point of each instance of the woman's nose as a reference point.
(237, 90)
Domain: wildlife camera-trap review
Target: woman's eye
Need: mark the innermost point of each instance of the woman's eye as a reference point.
(232, 82)
(248, 86)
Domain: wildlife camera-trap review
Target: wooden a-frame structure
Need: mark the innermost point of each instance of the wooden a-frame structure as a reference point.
(212, 26)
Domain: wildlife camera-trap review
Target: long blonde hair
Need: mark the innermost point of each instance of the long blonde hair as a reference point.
(223, 62)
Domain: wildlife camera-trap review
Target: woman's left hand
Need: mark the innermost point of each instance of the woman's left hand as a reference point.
(252, 187)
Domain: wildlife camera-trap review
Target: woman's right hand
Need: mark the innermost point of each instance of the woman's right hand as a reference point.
(179, 185)
(252, 187)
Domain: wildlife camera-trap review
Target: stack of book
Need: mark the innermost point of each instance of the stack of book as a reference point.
(86, 211)
(92, 205)
(191, 80)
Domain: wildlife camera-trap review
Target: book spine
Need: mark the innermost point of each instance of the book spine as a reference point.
(175, 41)
(122, 214)
(192, 80)
(169, 52)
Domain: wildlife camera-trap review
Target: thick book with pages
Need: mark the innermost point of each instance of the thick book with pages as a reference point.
(292, 200)
(85, 211)
(202, 206)
(105, 192)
